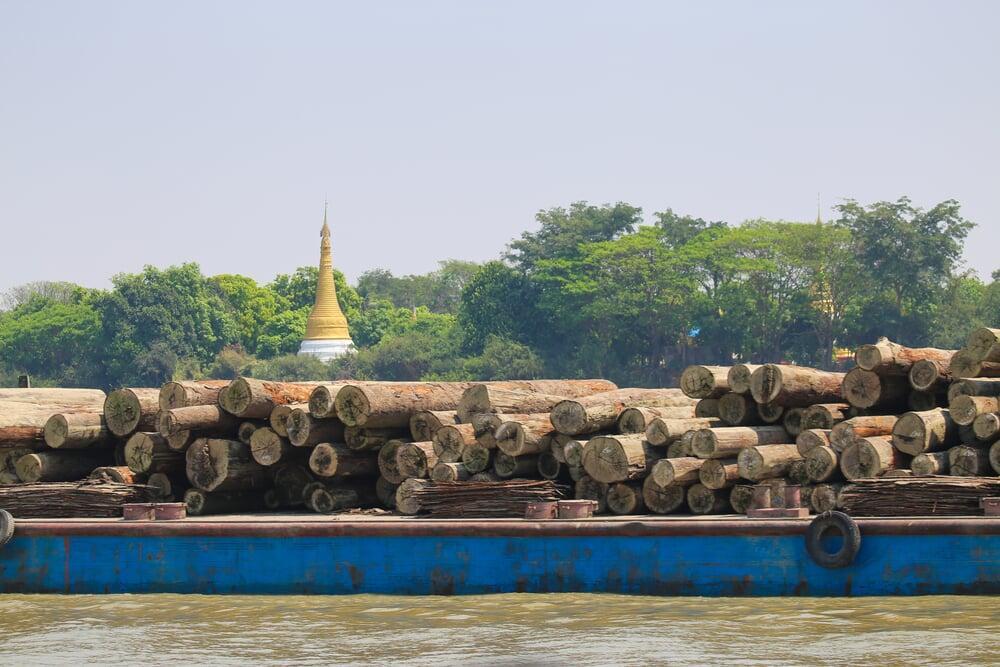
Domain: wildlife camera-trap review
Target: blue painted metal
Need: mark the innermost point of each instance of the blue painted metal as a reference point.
(429, 561)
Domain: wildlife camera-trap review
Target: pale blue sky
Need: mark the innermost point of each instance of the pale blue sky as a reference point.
(137, 133)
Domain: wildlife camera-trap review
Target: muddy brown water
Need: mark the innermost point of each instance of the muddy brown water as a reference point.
(499, 629)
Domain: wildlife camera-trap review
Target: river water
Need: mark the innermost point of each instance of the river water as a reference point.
(499, 629)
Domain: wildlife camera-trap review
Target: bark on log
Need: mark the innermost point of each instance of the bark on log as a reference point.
(930, 463)
(201, 503)
(984, 344)
(662, 432)
(371, 439)
(588, 488)
(549, 467)
(928, 375)
(766, 461)
(703, 500)
(770, 413)
(707, 408)
(987, 427)
(75, 430)
(740, 497)
(524, 436)
(386, 492)
(477, 458)
(625, 498)
(268, 448)
(186, 393)
(59, 466)
(506, 466)
(245, 431)
(484, 477)
(387, 462)
(825, 415)
(170, 487)
(390, 405)
(974, 387)
(214, 464)
(798, 475)
(682, 471)
(304, 430)
(794, 386)
(254, 399)
(719, 473)
(964, 409)
(331, 498)
(738, 410)
(812, 438)
(918, 401)
(450, 472)
(323, 400)
(573, 451)
(119, 474)
(739, 377)
(726, 442)
(484, 398)
(637, 420)
(866, 389)
(931, 431)
(450, 441)
(82, 399)
(149, 452)
(278, 421)
(871, 457)
(705, 381)
(792, 421)
(825, 497)
(969, 461)
(662, 499)
(886, 357)
(416, 459)
(479, 397)
(866, 426)
(333, 460)
(965, 365)
(129, 410)
(600, 411)
(822, 464)
(618, 458)
(425, 423)
(208, 418)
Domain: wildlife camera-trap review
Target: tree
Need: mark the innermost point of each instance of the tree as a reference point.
(504, 359)
(282, 334)
(252, 306)
(440, 291)
(497, 301)
(56, 292)
(291, 368)
(678, 230)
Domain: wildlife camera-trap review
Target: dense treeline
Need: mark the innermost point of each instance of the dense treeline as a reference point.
(590, 292)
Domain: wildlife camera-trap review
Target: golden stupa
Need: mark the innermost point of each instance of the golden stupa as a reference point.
(327, 335)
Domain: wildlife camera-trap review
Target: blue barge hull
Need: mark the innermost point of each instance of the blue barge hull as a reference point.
(724, 556)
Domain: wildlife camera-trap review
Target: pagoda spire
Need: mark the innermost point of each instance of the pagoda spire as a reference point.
(326, 321)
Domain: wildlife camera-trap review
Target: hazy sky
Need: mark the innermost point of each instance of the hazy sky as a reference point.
(136, 133)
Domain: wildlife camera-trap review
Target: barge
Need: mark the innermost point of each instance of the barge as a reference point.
(349, 554)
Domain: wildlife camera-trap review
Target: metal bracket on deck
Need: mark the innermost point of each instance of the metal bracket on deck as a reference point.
(760, 505)
(991, 506)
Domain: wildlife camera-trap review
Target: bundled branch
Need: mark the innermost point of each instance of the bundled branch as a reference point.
(918, 496)
(507, 498)
(87, 498)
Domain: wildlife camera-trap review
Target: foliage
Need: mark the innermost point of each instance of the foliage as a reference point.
(290, 367)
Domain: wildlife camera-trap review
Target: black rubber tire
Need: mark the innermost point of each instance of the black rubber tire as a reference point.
(6, 527)
(848, 529)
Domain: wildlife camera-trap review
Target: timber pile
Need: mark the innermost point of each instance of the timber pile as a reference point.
(507, 498)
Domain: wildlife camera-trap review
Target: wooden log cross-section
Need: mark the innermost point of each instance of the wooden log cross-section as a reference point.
(662, 432)
(148, 453)
(705, 381)
(842, 434)
(662, 499)
(738, 410)
(390, 404)
(597, 412)
(966, 365)
(215, 464)
(186, 393)
(677, 471)
(619, 458)
(278, 421)
(867, 389)
(323, 400)
(59, 466)
(333, 460)
(129, 410)
(304, 430)
(75, 430)
(524, 436)
(268, 448)
(514, 396)
(766, 461)
(387, 464)
(739, 377)
(871, 457)
(637, 420)
(425, 423)
(250, 398)
(206, 418)
(719, 473)
(888, 358)
(930, 431)
(450, 441)
(416, 459)
(794, 386)
(726, 442)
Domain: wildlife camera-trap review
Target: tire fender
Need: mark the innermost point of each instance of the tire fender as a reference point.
(6, 527)
(835, 523)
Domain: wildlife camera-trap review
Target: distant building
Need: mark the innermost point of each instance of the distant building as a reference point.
(327, 336)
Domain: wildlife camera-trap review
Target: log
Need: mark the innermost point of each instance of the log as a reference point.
(825, 497)
(930, 463)
(886, 357)
(812, 438)
(825, 415)
(75, 430)
(304, 430)
(323, 400)
(681, 471)
(186, 393)
(792, 421)
(726, 442)
(371, 439)
(964, 409)
(8, 461)
(866, 389)
(573, 451)
(215, 464)
(549, 467)
(662, 432)
(798, 475)
(794, 386)
(208, 418)
(386, 492)
(965, 365)
(180, 441)
(129, 410)
(637, 420)
(866, 426)
(703, 500)
(268, 448)
(930, 431)
(738, 410)
(974, 387)
(705, 381)
(250, 398)
(484, 477)
(119, 474)
(407, 499)
(918, 401)
(245, 431)
(662, 499)
(770, 413)
(200, 503)
(618, 458)
(740, 497)
(588, 488)
(330, 498)
(598, 412)
(307, 494)
(987, 427)
(477, 458)
(927, 375)
(822, 464)
(278, 421)
(82, 399)
(450, 472)
(707, 408)
(484, 427)
(450, 441)
(524, 436)
(59, 466)
(425, 423)
(334, 460)
(387, 462)
(493, 397)
(766, 461)
(149, 452)
(994, 455)
(739, 377)
(871, 457)
(984, 344)
(625, 498)
(719, 473)
(168, 486)
(415, 459)
(390, 404)
(506, 466)
(969, 461)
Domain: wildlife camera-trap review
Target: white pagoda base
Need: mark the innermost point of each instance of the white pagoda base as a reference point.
(325, 350)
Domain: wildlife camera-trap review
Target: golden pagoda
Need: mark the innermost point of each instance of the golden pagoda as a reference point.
(327, 335)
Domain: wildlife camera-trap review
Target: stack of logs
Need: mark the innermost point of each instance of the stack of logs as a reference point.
(248, 445)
